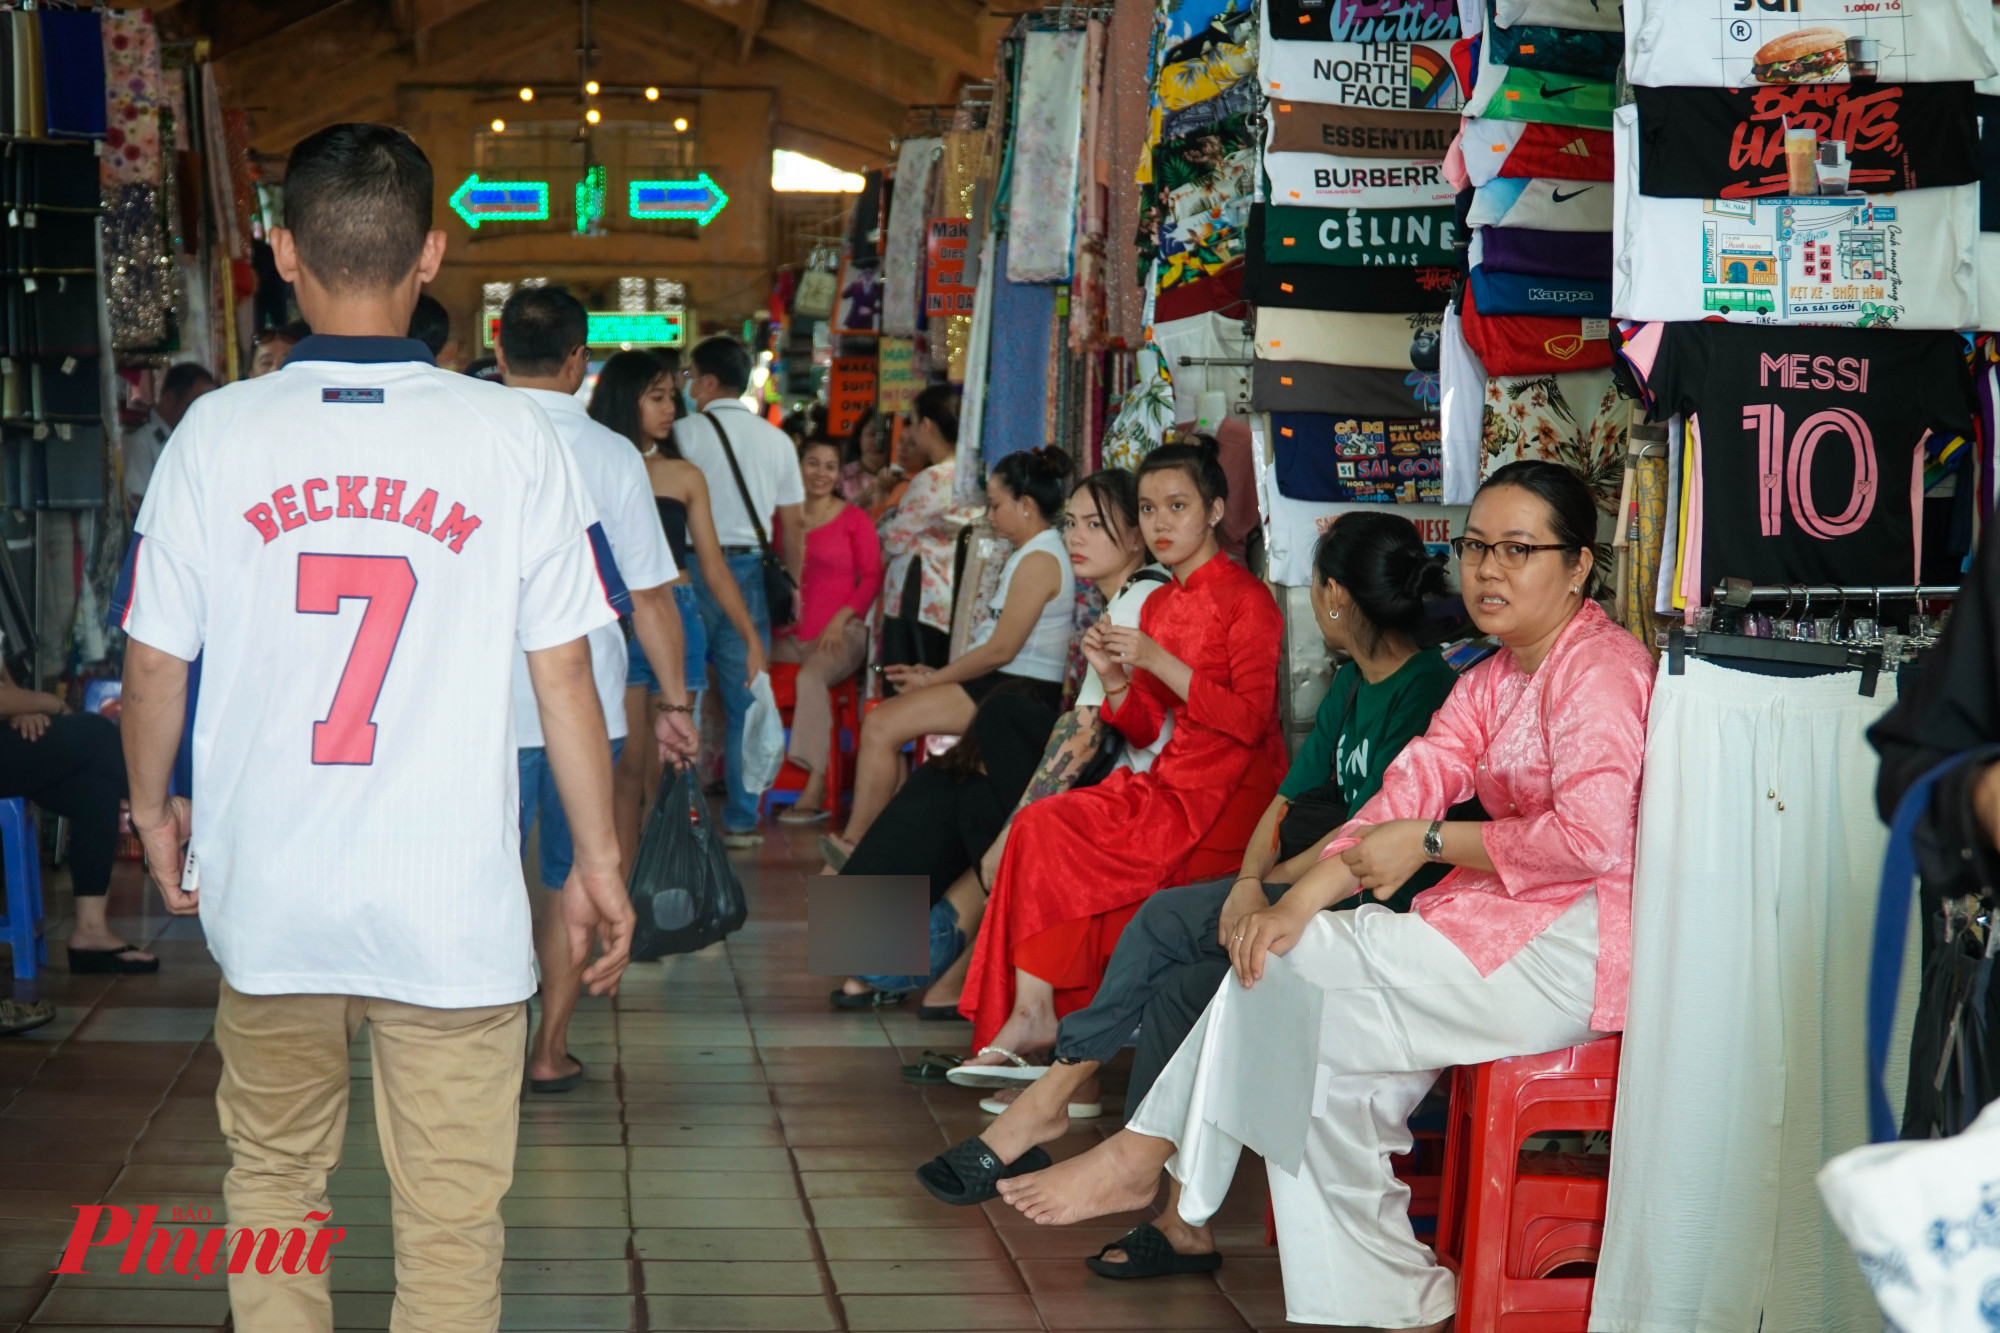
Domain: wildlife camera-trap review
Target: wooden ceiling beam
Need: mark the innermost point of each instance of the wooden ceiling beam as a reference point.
(953, 32)
(856, 54)
(267, 74)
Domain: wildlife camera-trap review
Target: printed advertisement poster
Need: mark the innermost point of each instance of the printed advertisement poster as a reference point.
(850, 392)
(946, 291)
(898, 381)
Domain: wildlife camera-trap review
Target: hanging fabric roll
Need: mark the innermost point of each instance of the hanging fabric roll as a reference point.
(1047, 142)
(903, 247)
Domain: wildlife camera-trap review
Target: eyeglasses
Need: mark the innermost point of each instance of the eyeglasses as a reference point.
(1511, 555)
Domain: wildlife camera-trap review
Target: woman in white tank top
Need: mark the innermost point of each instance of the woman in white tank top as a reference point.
(1023, 644)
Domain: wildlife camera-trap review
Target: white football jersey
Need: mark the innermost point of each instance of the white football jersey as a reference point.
(620, 492)
(357, 546)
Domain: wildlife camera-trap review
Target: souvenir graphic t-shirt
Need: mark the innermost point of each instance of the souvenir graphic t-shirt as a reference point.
(1589, 15)
(1351, 746)
(1549, 254)
(1594, 55)
(1850, 138)
(1716, 44)
(1811, 444)
(1545, 205)
(1520, 148)
(1384, 76)
(1358, 237)
(1355, 131)
(1342, 339)
(1340, 458)
(1364, 20)
(1869, 261)
(1533, 344)
(1321, 181)
(357, 546)
(1306, 386)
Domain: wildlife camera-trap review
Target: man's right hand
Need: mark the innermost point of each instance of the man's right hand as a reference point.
(163, 836)
(594, 902)
(1986, 804)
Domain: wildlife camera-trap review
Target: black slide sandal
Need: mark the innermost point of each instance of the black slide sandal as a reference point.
(1149, 1254)
(940, 1013)
(930, 1071)
(105, 962)
(567, 1083)
(965, 1173)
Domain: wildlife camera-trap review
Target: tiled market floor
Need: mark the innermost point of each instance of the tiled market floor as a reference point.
(740, 1159)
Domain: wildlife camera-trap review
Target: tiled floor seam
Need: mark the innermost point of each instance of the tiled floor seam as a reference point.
(635, 1266)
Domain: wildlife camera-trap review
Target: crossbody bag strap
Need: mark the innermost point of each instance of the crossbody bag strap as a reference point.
(742, 488)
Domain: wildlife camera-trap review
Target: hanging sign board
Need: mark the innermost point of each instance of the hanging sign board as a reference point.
(946, 290)
(898, 381)
(850, 392)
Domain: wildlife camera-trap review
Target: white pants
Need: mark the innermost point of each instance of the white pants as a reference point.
(1744, 1065)
(1401, 1004)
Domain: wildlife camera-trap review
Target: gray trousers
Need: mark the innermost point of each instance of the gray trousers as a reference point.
(1161, 976)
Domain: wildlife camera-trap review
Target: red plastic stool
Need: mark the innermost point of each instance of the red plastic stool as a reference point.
(1505, 1225)
(791, 778)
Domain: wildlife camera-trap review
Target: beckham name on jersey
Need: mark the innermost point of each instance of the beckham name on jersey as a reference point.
(294, 506)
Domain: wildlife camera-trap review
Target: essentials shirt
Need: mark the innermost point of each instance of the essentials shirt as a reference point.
(1730, 143)
(358, 545)
(1811, 453)
(1903, 259)
(769, 462)
(1353, 747)
(617, 488)
(1714, 44)
(1355, 131)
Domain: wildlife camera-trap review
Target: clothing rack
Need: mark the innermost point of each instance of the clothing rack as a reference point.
(1213, 361)
(1741, 592)
(1680, 641)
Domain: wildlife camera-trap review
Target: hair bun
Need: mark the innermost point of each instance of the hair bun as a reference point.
(1426, 578)
(1051, 462)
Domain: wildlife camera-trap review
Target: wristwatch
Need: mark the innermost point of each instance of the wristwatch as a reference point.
(1434, 841)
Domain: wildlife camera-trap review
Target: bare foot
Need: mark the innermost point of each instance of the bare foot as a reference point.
(855, 986)
(1023, 1034)
(1118, 1175)
(546, 1067)
(1038, 1113)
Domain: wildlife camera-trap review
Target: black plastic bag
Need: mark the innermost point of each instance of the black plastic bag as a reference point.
(683, 888)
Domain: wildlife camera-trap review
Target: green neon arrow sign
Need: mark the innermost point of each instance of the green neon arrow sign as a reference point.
(698, 200)
(480, 201)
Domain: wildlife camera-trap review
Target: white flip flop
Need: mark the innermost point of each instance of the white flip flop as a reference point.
(1017, 1073)
(1077, 1110)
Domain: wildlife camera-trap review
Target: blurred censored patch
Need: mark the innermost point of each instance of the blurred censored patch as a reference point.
(868, 925)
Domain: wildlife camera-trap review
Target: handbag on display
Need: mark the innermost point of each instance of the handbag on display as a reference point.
(819, 286)
(779, 589)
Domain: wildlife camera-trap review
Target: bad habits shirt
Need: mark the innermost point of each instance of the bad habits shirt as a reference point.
(1726, 143)
(1811, 444)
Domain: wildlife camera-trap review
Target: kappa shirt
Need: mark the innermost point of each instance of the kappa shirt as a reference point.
(358, 545)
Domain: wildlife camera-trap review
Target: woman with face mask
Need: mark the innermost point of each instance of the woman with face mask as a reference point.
(1078, 865)
(1524, 947)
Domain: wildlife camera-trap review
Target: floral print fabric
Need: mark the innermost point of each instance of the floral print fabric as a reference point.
(924, 527)
(1580, 419)
(1048, 109)
(132, 98)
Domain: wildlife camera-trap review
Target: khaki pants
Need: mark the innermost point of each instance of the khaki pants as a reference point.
(447, 1107)
(812, 716)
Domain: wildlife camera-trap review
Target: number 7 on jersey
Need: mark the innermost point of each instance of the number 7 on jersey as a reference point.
(386, 583)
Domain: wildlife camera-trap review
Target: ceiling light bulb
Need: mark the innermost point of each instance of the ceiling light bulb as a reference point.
(652, 94)
(592, 115)
(680, 124)
(591, 87)
(527, 94)
(499, 126)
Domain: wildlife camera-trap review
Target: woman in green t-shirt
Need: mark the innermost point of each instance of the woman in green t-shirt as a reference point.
(1373, 575)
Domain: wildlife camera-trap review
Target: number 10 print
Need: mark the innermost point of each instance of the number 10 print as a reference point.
(386, 583)
(1786, 472)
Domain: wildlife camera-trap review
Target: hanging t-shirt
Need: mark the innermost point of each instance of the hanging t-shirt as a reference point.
(1307, 386)
(1589, 15)
(1366, 290)
(1321, 181)
(1461, 400)
(1526, 294)
(1386, 76)
(1338, 458)
(1520, 148)
(1594, 55)
(1988, 111)
(1549, 254)
(1505, 93)
(1581, 419)
(1364, 20)
(1811, 444)
(1733, 143)
(1905, 259)
(1357, 131)
(1342, 339)
(1357, 237)
(1352, 746)
(1210, 337)
(1534, 344)
(1547, 205)
(1722, 44)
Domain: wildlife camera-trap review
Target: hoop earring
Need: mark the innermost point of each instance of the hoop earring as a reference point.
(1333, 615)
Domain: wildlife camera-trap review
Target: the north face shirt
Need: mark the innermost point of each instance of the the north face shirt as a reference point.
(357, 546)
(1380, 75)
(1716, 44)
(1811, 444)
(1730, 143)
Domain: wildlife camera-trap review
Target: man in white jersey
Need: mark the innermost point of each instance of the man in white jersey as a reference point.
(768, 464)
(543, 352)
(357, 545)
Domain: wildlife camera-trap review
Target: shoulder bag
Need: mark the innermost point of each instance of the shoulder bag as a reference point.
(779, 589)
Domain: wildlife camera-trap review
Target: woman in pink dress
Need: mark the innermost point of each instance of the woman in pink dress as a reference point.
(843, 568)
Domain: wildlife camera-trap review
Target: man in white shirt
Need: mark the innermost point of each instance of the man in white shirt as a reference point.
(543, 352)
(179, 387)
(718, 375)
(357, 545)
